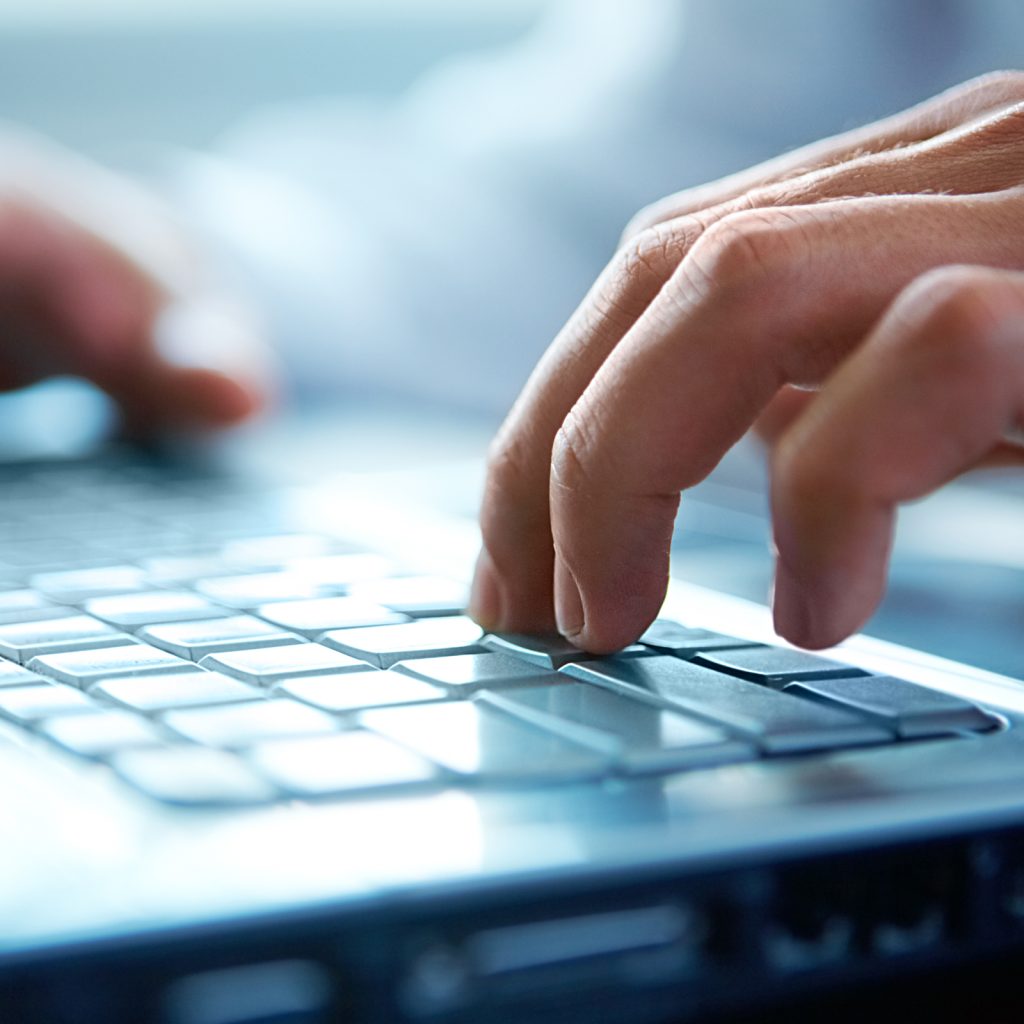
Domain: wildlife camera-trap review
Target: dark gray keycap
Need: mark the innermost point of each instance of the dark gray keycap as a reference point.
(418, 596)
(312, 618)
(356, 691)
(196, 688)
(24, 641)
(548, 651)
(83, 668)
(665, 635)
(252, 590)
(26, 605)
(778, 722)
(464, 673)
(26, 704)
(193, 776)
(195, 640)
(384, 646)
(102, 732)
(776, 666)
(132, 611)
(267, 665)
(482, 743)
(78, 585)
(913, 711)
(13, 674)
(351, 762)
(240, 725)
(641, 737)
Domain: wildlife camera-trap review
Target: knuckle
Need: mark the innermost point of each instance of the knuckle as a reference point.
(749, 249)
(955, 318)
(957, 302)
(644, 219)
(653, 253)
(506, 468)
(637, 273)
(570, 457)
(506, 488)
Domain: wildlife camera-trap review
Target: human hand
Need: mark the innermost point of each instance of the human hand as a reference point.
(97, 280)
(882, 266)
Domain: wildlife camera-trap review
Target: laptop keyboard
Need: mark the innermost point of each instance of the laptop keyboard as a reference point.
(171, 627)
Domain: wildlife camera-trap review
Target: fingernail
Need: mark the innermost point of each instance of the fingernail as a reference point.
(568, 603)
(791, 610)
(484, 595)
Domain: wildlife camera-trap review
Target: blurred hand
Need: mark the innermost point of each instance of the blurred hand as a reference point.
(97, 280)
(882, 266)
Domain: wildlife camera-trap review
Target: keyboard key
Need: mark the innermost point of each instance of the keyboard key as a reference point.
(351, 762)
(778, 722)
(674, 638)
(548, 651)
(28, 605)
(181, 570)
(193, 776)
(258, 588)
(481, 743)
(78, 585)
(195, 640)
(913, 711)
(27, 704)
(641, 737)
(267, 665)
(337, 573)
(312, 618)
(356, 691)
(102, 732)
(418, 596)
(132, 611)
(155, 693)
(383, 646)
(464, 673)
(239, 725)
(776, 666)
(83, 668)
(24, 641)
(276, 549)
(13, 674)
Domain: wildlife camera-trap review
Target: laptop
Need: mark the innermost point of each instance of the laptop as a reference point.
(258, 767)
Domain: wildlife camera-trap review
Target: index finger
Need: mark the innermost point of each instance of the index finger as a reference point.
(764, 299)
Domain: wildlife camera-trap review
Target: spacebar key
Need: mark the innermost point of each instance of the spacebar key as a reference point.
(778, 722)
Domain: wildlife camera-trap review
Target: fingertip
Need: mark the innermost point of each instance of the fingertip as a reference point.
(569, 615)
(485, 600)
(618, 613)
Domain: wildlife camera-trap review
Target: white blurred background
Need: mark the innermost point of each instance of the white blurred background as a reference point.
(110, 76)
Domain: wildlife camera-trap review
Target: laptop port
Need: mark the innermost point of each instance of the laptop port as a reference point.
(915, 903)
(520, 961)
(812, 924)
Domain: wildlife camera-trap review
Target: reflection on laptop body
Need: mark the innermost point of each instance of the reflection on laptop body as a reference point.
(259, 767)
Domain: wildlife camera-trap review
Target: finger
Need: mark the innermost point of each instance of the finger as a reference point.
(949, 110)
(764, 299)
(74, 303)
(932, 391)
(513, 580)
(516, 575)
(780, 412)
